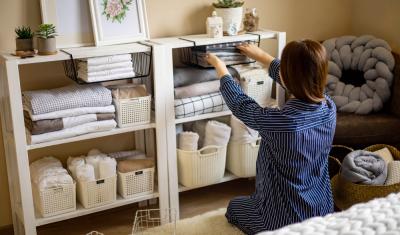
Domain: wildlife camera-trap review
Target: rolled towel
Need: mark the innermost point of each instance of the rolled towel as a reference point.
(241, 133)
(93, 160)
(73, 163)
(197, 89)
(85, 173)
(363, 167)
(188, 141)
(134, 165)
(393, 173)
(107, 167)
(55, 181)
(385, 154)
(217, 134)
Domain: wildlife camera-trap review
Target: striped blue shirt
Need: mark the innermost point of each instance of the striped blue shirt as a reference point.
(292, 181)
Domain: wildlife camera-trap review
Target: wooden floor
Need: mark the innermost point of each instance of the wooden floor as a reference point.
(119, 221)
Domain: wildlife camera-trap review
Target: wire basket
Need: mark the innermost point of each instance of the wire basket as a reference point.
(141, 63)
(148, 222)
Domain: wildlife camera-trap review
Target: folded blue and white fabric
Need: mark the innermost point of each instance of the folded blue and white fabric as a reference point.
(193, 106)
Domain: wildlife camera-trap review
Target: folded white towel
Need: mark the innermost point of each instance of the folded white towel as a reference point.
(70, 112)
(48, 172)
(83, 68)
(217, 134)
(241, 133)
(73, 163)
(109, 77)
(55, 181)
(94, 160)
(385, 154)
(107, 59)
(85, 173)
(188, 141)
(393, 176)
(107, 167)
(40, 165)
(127, 155)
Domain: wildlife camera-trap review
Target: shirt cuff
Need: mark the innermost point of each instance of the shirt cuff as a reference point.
(274, 67)
(225, 79)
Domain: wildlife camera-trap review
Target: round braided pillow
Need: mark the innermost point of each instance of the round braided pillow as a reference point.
(360, 73)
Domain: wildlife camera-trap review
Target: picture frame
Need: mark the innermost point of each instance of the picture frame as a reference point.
(72, 20)
(118, 21)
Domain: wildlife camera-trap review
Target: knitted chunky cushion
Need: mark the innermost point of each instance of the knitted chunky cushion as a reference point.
(360, 73)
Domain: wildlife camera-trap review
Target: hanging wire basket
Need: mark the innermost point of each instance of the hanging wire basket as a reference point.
(148, 222)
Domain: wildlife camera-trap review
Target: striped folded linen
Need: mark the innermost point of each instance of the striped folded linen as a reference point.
(193, 106)
(107, 59)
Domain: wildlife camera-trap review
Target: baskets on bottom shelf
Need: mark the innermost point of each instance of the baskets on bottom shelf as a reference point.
(97, 193)
(242, 158)
(136, 183)
(135, 111)
(202, 167)
(55, 201)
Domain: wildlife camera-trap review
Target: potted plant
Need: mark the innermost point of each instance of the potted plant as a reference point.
(24, 41)
(46, 39)
(231, 12)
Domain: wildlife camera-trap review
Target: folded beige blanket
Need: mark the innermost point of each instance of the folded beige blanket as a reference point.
(126, 166)
(129, 91)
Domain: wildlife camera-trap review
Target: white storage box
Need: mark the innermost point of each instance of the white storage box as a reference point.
(97, 193)
(202, 167)
(55, 201)
(258, 85)
(136, 183)
(242, 158)
(132, 112)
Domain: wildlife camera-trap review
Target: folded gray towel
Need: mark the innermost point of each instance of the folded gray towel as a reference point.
(363, 167)
(190, 75)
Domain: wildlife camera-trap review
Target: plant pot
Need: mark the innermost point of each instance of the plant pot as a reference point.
(232, 18)
(47, 46)
(24, 44)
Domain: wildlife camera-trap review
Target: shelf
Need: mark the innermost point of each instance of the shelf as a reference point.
(227, 177)
(80, 211)
(203, 116)
(60, 56)
(115, 131)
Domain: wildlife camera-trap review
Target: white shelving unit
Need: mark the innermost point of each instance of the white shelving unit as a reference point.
(25, 219)
(172, 43)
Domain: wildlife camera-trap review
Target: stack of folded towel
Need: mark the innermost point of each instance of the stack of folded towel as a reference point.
(106, 68)
(203, 134)
(92, 167)
(130, 161)
(48, 173)
(67, 112)
(241, 134)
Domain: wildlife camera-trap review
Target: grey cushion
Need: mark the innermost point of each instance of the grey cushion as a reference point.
(350, 107)
(361, 41)
(384, 55)
(347, 89)
(363, 59)
(365, 108)
(356, 57)
(340, 100)
(384, 71)
(382, 88)
(339, 89)
(377, 42)
(345, 56)
(334, 69)
(370, 63)
(367, 90)
(344, 40)
(355, 94)
(335, 57)
(371, 74)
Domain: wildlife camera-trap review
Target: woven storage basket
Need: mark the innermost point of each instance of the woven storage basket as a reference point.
(258, 86)
(132, 112)
(97, 193)
(136, 183)
(55, 201)
(241, 159)
(333, 166)
(347, 194)
(340, 152)
(202, 167)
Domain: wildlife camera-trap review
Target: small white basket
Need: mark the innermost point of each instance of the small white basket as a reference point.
(257, 85)
(97, 193)
(242, 158)
(55, 201)
(132, 112)
(155, 221)
(136, 183)
(202, 167)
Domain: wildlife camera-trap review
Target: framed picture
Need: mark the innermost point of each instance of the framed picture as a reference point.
(118, 21)
(72, 20)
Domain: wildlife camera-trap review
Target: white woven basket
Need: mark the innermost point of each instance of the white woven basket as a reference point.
(97, 193)
(242, 158)
(132, 112)
(136, 183)
(55, 201)
(202, 167)
(258, 86)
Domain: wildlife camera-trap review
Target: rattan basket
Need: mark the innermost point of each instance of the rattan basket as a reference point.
(347, 194)
(340, 152)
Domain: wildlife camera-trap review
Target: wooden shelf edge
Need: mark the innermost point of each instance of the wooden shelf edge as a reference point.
(227, 177)
(203, 116)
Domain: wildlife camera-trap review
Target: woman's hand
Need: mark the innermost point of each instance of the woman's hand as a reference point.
(218, 64)
(256, 53)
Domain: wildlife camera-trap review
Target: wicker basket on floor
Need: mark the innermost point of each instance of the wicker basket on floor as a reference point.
(347, 193)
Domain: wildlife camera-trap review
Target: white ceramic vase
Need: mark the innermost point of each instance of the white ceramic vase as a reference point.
(232, 18)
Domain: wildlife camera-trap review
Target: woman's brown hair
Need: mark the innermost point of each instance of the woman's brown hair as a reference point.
(304, 68)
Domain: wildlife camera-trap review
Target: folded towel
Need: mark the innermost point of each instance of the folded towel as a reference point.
(70, 112)
(103, 73)
(50, 125)
(85, 173)
(39, 165)
(48, 172)
(199, 127)
(94, 157)
(134, 165)
(55, 181)
(68, 97)
(197, 89)
(125, 155)
(107, 167)
(87, 128)
(109, 77)
(133, 91)
(385, 154)
(84, 68)
(217, 134)
(107, 59)
(393, 176)
(73, 163)
(186, 76)
(188, 141)
(363, 167)
(241, 133)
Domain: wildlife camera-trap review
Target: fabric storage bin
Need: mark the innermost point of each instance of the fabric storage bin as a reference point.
(132, 112)
(241, 159)
(136, 183)
(55, 201)
(258, 85)
(202, 167)
(97, 193)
